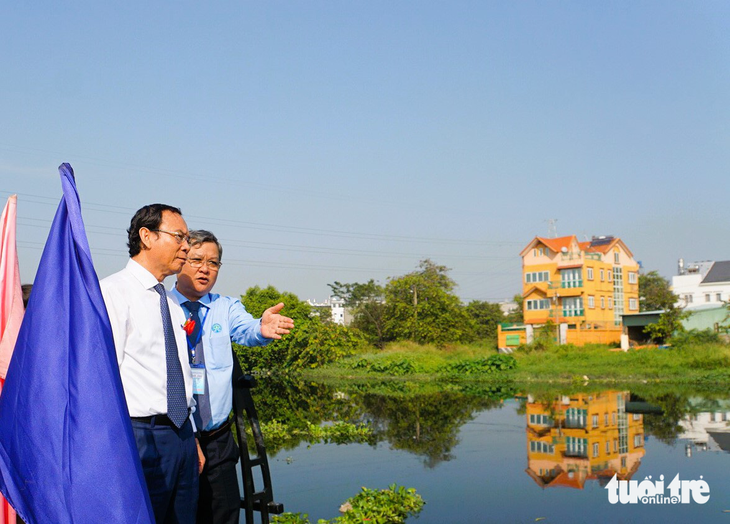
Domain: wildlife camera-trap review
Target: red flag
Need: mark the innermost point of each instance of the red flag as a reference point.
(11, 309)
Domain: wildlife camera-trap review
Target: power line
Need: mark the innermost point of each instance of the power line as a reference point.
(104, 208)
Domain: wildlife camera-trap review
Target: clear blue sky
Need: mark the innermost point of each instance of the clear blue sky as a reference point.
(327, 141)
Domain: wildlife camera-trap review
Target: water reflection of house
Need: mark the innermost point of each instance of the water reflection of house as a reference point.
(706, 431)
(582, 437)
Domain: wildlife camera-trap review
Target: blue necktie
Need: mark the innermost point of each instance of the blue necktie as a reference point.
(203, 414)
(177, 406)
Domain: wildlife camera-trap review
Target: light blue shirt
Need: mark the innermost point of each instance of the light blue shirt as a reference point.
(224, 320)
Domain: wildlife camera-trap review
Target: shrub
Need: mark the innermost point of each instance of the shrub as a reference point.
(492, 364)
(696, 337)
(386, 506)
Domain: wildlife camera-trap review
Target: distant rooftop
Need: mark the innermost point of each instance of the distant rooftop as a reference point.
(719, 272)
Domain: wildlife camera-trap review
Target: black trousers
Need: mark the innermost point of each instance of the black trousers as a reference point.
(220, 498)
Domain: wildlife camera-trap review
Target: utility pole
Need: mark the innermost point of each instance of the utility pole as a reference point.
(414, 289)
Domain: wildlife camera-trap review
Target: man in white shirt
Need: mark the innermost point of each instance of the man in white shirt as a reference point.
(154, 362)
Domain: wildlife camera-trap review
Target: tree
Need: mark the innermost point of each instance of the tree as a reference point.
(487, 317)
(516, 315)
(311, 343)
(367, 304)
(669, 323)
(422, 307)
(655, 292)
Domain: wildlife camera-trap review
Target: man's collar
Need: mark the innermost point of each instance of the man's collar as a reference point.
(181, 299)
(139, 272)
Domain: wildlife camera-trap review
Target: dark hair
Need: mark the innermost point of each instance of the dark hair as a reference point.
(26, 293)
(201, 236)
(150, 217)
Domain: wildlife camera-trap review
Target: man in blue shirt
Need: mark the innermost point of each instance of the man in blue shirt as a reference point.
(212, 322)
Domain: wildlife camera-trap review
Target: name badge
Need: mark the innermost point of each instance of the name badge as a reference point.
(198, 379)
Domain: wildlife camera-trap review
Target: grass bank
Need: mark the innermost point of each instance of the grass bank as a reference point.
(697, 365)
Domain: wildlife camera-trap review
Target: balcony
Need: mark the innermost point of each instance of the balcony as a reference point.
(573, 312)
(571, 284)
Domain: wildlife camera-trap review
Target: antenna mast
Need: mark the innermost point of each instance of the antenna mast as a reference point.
(552, 227)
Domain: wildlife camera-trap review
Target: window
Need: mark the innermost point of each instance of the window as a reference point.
(616, 257)
(570, 278)
(594, 419)
(638, 440)
(632, 303)
(613, 418)
(707, 297)
(573, 307)
(608, 448)
(603, 302)
(591, 301)
(541, 420)
(718, 297)
(541, 447)
(537, 276)
(610, 303)
(589, 273)
(632, 277)
(576, 446)
(605, 419)
(609, 276)
(543, 303)
(688, 298)
(636, 416)
(602, 275)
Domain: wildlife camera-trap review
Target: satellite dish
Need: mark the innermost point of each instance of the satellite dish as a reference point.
(563, 249)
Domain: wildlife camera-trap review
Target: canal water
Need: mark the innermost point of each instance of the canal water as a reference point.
(508, 456)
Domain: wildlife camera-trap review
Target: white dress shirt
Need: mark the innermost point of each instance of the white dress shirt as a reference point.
(134, 311)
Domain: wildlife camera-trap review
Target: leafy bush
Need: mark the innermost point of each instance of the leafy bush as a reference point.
(277, 434)
(312, 343)
(696, 337)
(387, 506)
(396, 368)
(492, 364)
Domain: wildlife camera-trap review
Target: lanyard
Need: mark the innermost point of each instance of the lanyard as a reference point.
(191, 347)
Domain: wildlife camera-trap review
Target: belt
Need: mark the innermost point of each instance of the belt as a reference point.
(208, 435)
(157, 420)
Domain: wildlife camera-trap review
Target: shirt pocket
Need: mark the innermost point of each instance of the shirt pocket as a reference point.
(221, 355)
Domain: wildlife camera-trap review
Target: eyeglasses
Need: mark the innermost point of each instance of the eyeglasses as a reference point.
(179, 237)
(213, 265)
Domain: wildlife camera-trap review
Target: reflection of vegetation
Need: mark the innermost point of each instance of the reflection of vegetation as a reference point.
(665, 427)
(427, 425)
(424, 418)
(422, 421)
(386, 506)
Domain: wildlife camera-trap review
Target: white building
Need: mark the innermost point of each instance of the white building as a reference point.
(337, 308)
(702, 283)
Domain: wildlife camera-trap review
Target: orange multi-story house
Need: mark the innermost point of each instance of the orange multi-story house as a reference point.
(583, 288)
(583, 437)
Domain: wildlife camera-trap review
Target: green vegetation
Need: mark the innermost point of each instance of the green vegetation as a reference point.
(655, 294)
(421, 307)
(278, 434)
(414, 328)
(697, 357)
(386, 506)
(313, 342)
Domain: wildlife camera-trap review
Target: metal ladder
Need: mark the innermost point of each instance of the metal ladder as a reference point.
(245, 412)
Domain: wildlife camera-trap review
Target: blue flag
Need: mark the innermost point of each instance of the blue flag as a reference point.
(67, 452)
